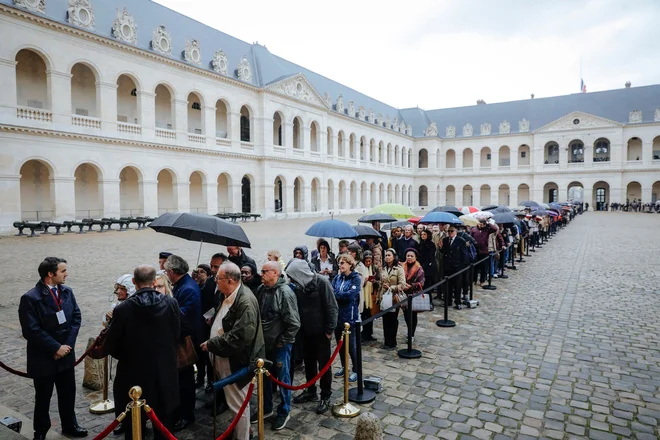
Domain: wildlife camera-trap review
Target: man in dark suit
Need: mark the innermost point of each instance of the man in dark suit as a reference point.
(455, 257)
(143, 337)
(50, 321)
(186, 292)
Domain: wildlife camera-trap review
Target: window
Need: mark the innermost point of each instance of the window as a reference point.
(196, 106)
(134, 92)
(245, 129)
(523, 154)
(488, 156)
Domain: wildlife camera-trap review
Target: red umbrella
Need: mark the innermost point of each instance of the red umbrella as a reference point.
(467, 210)
(414, 220)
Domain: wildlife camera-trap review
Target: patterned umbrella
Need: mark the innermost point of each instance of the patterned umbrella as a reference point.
(469, 209)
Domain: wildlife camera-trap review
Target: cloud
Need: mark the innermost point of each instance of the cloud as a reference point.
(447, 53)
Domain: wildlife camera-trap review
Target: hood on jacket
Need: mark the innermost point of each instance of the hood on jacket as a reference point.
(302, 249)
(300, 272)
(147, 297)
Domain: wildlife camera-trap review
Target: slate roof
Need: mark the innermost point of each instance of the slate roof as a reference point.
(268, 68)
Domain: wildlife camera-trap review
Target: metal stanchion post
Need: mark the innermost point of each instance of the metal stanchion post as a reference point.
(445, 294)
(359, 394)
(346, 409)
(106, 405)
(490, 275)
(260, 398)
(409, 353)
(471, 279)
(136, 411)
(502, 265)
(513, 258)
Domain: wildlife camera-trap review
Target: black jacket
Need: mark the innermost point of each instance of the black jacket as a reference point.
(37, 314)
(456, 255)
(210, 298)
(427, 258)
(316, 261)
(317, 306)
(242, 260)
(143, 337)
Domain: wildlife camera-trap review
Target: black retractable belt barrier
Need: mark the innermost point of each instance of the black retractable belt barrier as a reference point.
(445, 322)
(490, 275)
(359, 394)
(409, 352)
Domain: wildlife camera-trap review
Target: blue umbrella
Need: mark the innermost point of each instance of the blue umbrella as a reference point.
(332, 228)
(441, 217)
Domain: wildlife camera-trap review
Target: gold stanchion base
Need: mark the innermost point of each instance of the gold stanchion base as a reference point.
(345, 410)
(103, 407)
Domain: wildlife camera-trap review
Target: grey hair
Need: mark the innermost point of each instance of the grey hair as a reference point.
(231, 270)
(144, 275)
(273, 265)
(176, 264)
(408, 228)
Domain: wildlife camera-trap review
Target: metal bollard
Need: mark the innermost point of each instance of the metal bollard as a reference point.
(346, 409)
(260, 398)
(106, 405)
(136, 411)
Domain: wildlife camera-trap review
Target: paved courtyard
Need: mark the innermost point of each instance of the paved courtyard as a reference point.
(567, 347)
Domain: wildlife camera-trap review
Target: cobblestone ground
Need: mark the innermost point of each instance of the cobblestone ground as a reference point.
(567, 347)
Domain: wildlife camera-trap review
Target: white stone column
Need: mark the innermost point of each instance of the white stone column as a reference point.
(287, 134)
(212, 198)
(494, 160)
(495, 196)
(513, 155)
(289, 204)
(323, 199)
(180, 109)
(306, 205)
(208, 126)
(306, 140)
(458, 195)
(513, 196)
(459, 162)
(236, 196)
(146, 102)
(182, 196)
(8, 101)
(111, 201)
(563, 156)
(150, 197)
(59, 93)
(64, 196)
(269, 199)
(10, 194)
(647, 157)
(476, 161)
(476, 198)
(588, 197)
(588, 156)
(107, 93)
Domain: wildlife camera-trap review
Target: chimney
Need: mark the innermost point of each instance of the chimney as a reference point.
(532, 96)
(481, 102)
(628, 84)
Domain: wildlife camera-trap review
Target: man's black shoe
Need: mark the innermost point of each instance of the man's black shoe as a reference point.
(182, 424)
(75, 431)
(458, 307)
(280, 422)
(323, 406)
(306, 396)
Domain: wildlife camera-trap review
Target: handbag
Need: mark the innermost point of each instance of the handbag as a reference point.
(402, 298)
(99, 351)
(421, 303)
(185, 353)
(386, 300)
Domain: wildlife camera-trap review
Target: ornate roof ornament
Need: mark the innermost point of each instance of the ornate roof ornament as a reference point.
(340, 104)
(523, 125)
(656, 115)
(124, 27)
(295, 88)
(81, 14)
(467, 130)
(161, 41)
(409, 130)
(395, 124)
(219, 63)
(371, 117)
(505, 127)
(431, 130)
(485, 129)
(244, 71)
(635, 117)
(32, 5)
(193, 53)
(328, 99)
(388, 122)
(450, 131)
(361, 113)
(351, 109)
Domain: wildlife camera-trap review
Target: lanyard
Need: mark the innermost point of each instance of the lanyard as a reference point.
(57, 299)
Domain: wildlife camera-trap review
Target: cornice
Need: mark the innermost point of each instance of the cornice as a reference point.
(24, 15)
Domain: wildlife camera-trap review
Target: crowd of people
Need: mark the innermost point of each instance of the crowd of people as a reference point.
(634, 206)
(224, 315)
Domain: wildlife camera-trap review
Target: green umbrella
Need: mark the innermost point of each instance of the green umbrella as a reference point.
(394, 209)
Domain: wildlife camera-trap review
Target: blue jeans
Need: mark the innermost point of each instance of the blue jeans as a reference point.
(492, 263)
(281, 370)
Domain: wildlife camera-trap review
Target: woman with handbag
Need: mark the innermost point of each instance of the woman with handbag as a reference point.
(347, 285)
(371, 295)
(393, 280)
(414, 283)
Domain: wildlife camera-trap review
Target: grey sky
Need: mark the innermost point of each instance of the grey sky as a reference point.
(447, 53)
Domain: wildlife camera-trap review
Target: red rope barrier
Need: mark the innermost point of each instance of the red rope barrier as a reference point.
(225, 435)
(111, 427)
(318, 376)
(23, 374)
(158, 424)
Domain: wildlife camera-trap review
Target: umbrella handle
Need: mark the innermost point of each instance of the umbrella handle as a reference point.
(200, 251)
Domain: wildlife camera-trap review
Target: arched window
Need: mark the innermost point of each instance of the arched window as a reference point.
(423, 158)
(245, 124)
(602, 150)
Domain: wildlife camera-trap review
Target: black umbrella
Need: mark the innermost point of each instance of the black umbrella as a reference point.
(378, 217)
(529, 204)
(202, 228)
(497, 208)
(489, 207)
(365, 231)
(450, 209)
(504, 218)
(396, 224)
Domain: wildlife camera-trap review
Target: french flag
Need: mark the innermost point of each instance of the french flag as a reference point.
(583, 86)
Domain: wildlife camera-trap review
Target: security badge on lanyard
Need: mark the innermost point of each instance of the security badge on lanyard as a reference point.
(61, 319)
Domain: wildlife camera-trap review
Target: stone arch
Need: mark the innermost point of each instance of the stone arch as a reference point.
(410, 159)
(504, 195)
(450, 195)
(196, 107)
(298, 194)
(278, 128)
(396, 156)
(634, 191)
(485, 195)
(390, 194)
(127, 99)
(397, 194)
(468, 158)
(352, 141)
(633, 150)
(423, 158)
(88, 191)
(600, 195)
(363, 195)
(655, 192)
(247, 193)
(523, 192)
(246, 126)
(37, 195)
(450, 159)
(131, 194)
(504, 156)
(167, 194)
(341, 148)
(279, 193)
(602, 150)
(165, 115)
(381, 193)
(374, 195)
(524, 155)
(222, 112)
(32, 83)
(381, 152)
(550, 192)
(655, 146)
(404, 157)
(314, 137)
(551, 153)
(467, 196)
(197, 192)
(575, 191)
(329, 142)
(404, 195)
(485, 157)
(224, 193)
(576, 151)
(372, 150)
(316, 188)
(423, 196)
(297, 133)
(389, 154)
(48, 61)
(341, 190)
(84, 96)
